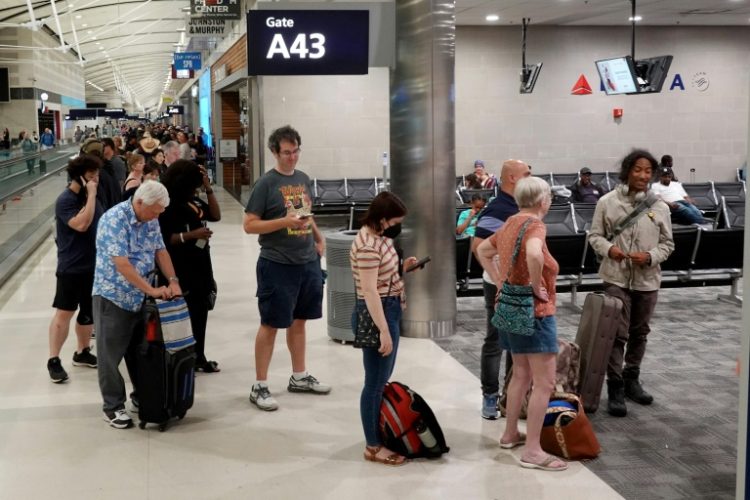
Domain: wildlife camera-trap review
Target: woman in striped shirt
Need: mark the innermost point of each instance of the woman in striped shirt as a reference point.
(377, 277)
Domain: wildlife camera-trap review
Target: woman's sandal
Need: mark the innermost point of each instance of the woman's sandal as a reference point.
(394, 459)
(546, 464)
(509, 446)
(208, 367)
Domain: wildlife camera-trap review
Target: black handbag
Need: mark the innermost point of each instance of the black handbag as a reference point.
(366, 332)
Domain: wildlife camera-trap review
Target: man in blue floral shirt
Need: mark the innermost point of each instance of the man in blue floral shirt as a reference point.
(128, 243)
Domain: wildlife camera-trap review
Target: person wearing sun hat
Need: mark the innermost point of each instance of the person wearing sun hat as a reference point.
(147, 145)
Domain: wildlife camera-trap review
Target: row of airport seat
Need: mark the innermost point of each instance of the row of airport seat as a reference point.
(701, 257)
(338, 195)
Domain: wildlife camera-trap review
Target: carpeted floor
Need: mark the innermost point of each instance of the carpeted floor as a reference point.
(685, 444)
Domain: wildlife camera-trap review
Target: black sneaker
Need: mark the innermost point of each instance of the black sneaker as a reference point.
(84, 358)
(119, 419)
(56, 372)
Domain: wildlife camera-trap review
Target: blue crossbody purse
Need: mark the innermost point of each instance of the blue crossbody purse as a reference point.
(514, 312)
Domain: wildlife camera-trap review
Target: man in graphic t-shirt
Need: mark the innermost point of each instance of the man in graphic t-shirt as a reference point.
(290, 281)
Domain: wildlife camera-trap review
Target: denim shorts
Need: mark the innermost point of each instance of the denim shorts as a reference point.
(544, 339)
(289, 291)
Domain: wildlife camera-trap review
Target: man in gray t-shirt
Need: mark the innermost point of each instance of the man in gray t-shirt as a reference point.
(290, 281)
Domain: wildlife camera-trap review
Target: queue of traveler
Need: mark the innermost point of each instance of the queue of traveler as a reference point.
(107, 246)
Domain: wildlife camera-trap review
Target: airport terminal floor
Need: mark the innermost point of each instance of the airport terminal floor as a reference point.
(54, 442)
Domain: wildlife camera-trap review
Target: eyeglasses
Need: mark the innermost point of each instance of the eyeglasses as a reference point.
(289, 154)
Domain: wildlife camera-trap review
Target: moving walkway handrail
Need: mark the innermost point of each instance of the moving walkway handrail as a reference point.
(8, 191)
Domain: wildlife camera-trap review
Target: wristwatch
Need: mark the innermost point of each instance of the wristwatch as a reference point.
(174, 278)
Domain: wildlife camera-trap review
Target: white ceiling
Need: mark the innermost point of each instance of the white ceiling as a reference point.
(127, 45)
(606, 12)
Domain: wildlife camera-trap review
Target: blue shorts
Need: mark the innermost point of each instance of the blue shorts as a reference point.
(544, 339)
(288, 291)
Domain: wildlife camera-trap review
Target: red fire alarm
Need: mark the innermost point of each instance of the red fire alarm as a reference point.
(617, 112)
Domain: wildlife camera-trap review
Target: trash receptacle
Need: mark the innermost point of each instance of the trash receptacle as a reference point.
(42, 166)
(340, 285)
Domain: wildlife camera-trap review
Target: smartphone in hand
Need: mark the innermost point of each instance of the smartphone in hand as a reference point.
(419, 264)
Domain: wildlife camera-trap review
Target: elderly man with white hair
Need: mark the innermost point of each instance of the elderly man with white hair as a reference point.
(128, 243)
(171, 152)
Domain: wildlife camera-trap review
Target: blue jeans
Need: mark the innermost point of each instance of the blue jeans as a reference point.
(378, 370)
(687, 213)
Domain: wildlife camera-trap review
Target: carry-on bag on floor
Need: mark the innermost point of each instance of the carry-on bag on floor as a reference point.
(596, 335)
(407, 424)
(166, 363)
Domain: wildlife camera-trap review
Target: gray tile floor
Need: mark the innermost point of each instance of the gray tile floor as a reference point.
(685, 444)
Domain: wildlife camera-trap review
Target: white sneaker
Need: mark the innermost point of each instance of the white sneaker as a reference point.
(261, 397)
(119, 419)
(307, 384)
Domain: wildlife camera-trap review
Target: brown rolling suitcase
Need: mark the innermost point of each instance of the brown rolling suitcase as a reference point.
(596, 335)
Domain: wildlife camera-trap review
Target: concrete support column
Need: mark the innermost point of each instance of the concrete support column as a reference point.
(743, 422)
(423, 158)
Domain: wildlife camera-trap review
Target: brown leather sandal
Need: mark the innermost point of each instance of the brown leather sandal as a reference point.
(393, 460)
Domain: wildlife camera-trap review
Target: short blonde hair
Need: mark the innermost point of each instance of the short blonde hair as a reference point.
(134, 158)
(531, 191)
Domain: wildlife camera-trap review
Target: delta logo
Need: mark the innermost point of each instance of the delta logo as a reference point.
(581, 87)
(699, 81)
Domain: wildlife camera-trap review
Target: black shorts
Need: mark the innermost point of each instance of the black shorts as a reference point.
(287, 292)
(74, 292)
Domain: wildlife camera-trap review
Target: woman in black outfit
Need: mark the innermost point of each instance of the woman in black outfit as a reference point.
(186, 237)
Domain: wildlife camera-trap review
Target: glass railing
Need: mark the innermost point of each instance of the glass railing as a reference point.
(27, 202)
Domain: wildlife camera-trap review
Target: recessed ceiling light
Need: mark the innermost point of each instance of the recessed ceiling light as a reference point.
(78, 16)
(93, 38)
(636, 19)
(492, 17)
(84, 25)
(89, 32)
(70, 5)
(98, 43)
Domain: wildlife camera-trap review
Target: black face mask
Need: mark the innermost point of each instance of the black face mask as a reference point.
(393, 231)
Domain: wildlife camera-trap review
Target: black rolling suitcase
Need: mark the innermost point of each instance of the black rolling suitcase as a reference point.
(166, 364)
(596, 335)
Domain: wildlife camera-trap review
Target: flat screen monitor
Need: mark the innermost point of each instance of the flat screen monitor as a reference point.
(529, 74)
(4, 85)
(618, 75)
(650, 73)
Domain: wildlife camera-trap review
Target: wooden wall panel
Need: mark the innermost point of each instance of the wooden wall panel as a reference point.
(230, 129)
(235, 59)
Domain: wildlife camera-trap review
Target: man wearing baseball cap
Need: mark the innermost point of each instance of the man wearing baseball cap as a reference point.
(584, 190)
(673, 194)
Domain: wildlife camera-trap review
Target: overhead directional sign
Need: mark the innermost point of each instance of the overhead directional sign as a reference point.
(187, 60)
(216, 9)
